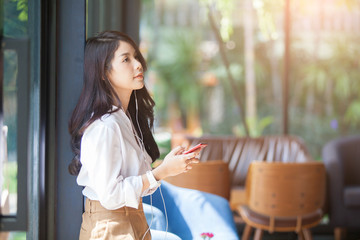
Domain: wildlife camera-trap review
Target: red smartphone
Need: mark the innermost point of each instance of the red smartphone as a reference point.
(200, 145)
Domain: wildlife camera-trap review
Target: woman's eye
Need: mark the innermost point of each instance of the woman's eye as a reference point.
(126, 59)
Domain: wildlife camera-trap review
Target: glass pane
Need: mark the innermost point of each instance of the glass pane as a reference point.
(16, 18)
(15, 32)
(13, 235)
(9, 131)
(190, 79)
(102, 15)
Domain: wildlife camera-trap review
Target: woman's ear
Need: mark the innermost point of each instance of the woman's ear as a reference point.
(107, 71)
(106, 75)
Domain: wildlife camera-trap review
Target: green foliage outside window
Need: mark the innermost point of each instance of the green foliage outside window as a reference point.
(16, 18)
(324, 89)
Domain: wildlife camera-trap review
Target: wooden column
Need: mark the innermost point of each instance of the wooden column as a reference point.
(286, 67)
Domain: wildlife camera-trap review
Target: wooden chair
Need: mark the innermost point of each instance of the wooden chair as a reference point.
(283, 197)
(212, 177)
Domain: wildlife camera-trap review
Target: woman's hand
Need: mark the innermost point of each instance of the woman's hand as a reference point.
(175, 163)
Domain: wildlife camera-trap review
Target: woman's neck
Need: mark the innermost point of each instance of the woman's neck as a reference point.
(125, 99)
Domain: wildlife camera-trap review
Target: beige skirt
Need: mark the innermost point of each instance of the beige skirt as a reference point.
(124, 223)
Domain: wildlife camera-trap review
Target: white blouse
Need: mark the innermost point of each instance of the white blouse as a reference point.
(113, 162)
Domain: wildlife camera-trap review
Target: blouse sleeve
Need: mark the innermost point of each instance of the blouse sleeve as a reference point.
(101, 155)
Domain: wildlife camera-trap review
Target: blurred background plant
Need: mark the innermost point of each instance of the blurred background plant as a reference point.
(176, 64)
(190, 80)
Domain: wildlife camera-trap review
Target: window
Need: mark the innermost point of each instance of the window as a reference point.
(14, 110)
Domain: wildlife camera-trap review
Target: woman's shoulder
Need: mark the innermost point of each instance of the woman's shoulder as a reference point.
(107, 118)
(106, 121)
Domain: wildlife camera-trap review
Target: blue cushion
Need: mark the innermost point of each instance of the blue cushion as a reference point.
(191, 212)
(154, 217)
(161, 235)
(157, 222)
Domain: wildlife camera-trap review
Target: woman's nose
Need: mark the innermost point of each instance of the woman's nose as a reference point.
(138, 65)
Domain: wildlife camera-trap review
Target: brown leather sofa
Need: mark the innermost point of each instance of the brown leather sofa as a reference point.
(239, 152)
(342, 161)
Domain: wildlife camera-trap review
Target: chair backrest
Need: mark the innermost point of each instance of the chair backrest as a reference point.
(240, 152)
(212, 177)
(347, 149)
(286, 189)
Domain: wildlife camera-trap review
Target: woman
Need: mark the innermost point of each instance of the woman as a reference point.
(111, 137)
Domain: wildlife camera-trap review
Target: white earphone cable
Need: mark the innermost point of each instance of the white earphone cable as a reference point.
(166, 217)
(162, 197)
(152, 218)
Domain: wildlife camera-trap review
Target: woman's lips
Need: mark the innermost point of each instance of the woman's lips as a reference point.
(139, 76)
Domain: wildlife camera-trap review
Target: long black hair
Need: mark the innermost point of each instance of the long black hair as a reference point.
(97, 99)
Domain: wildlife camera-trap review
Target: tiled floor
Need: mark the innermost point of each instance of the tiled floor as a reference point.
(318, 233)
(293, 236)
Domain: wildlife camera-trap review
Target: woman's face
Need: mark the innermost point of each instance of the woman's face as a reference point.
(126, 73)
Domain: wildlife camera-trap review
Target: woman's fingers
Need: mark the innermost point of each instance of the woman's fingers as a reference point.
(189, 155)
(197, 152)
(189, 163)
(176, 162)
(192, 160)
(195, 160)
(176, 150)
